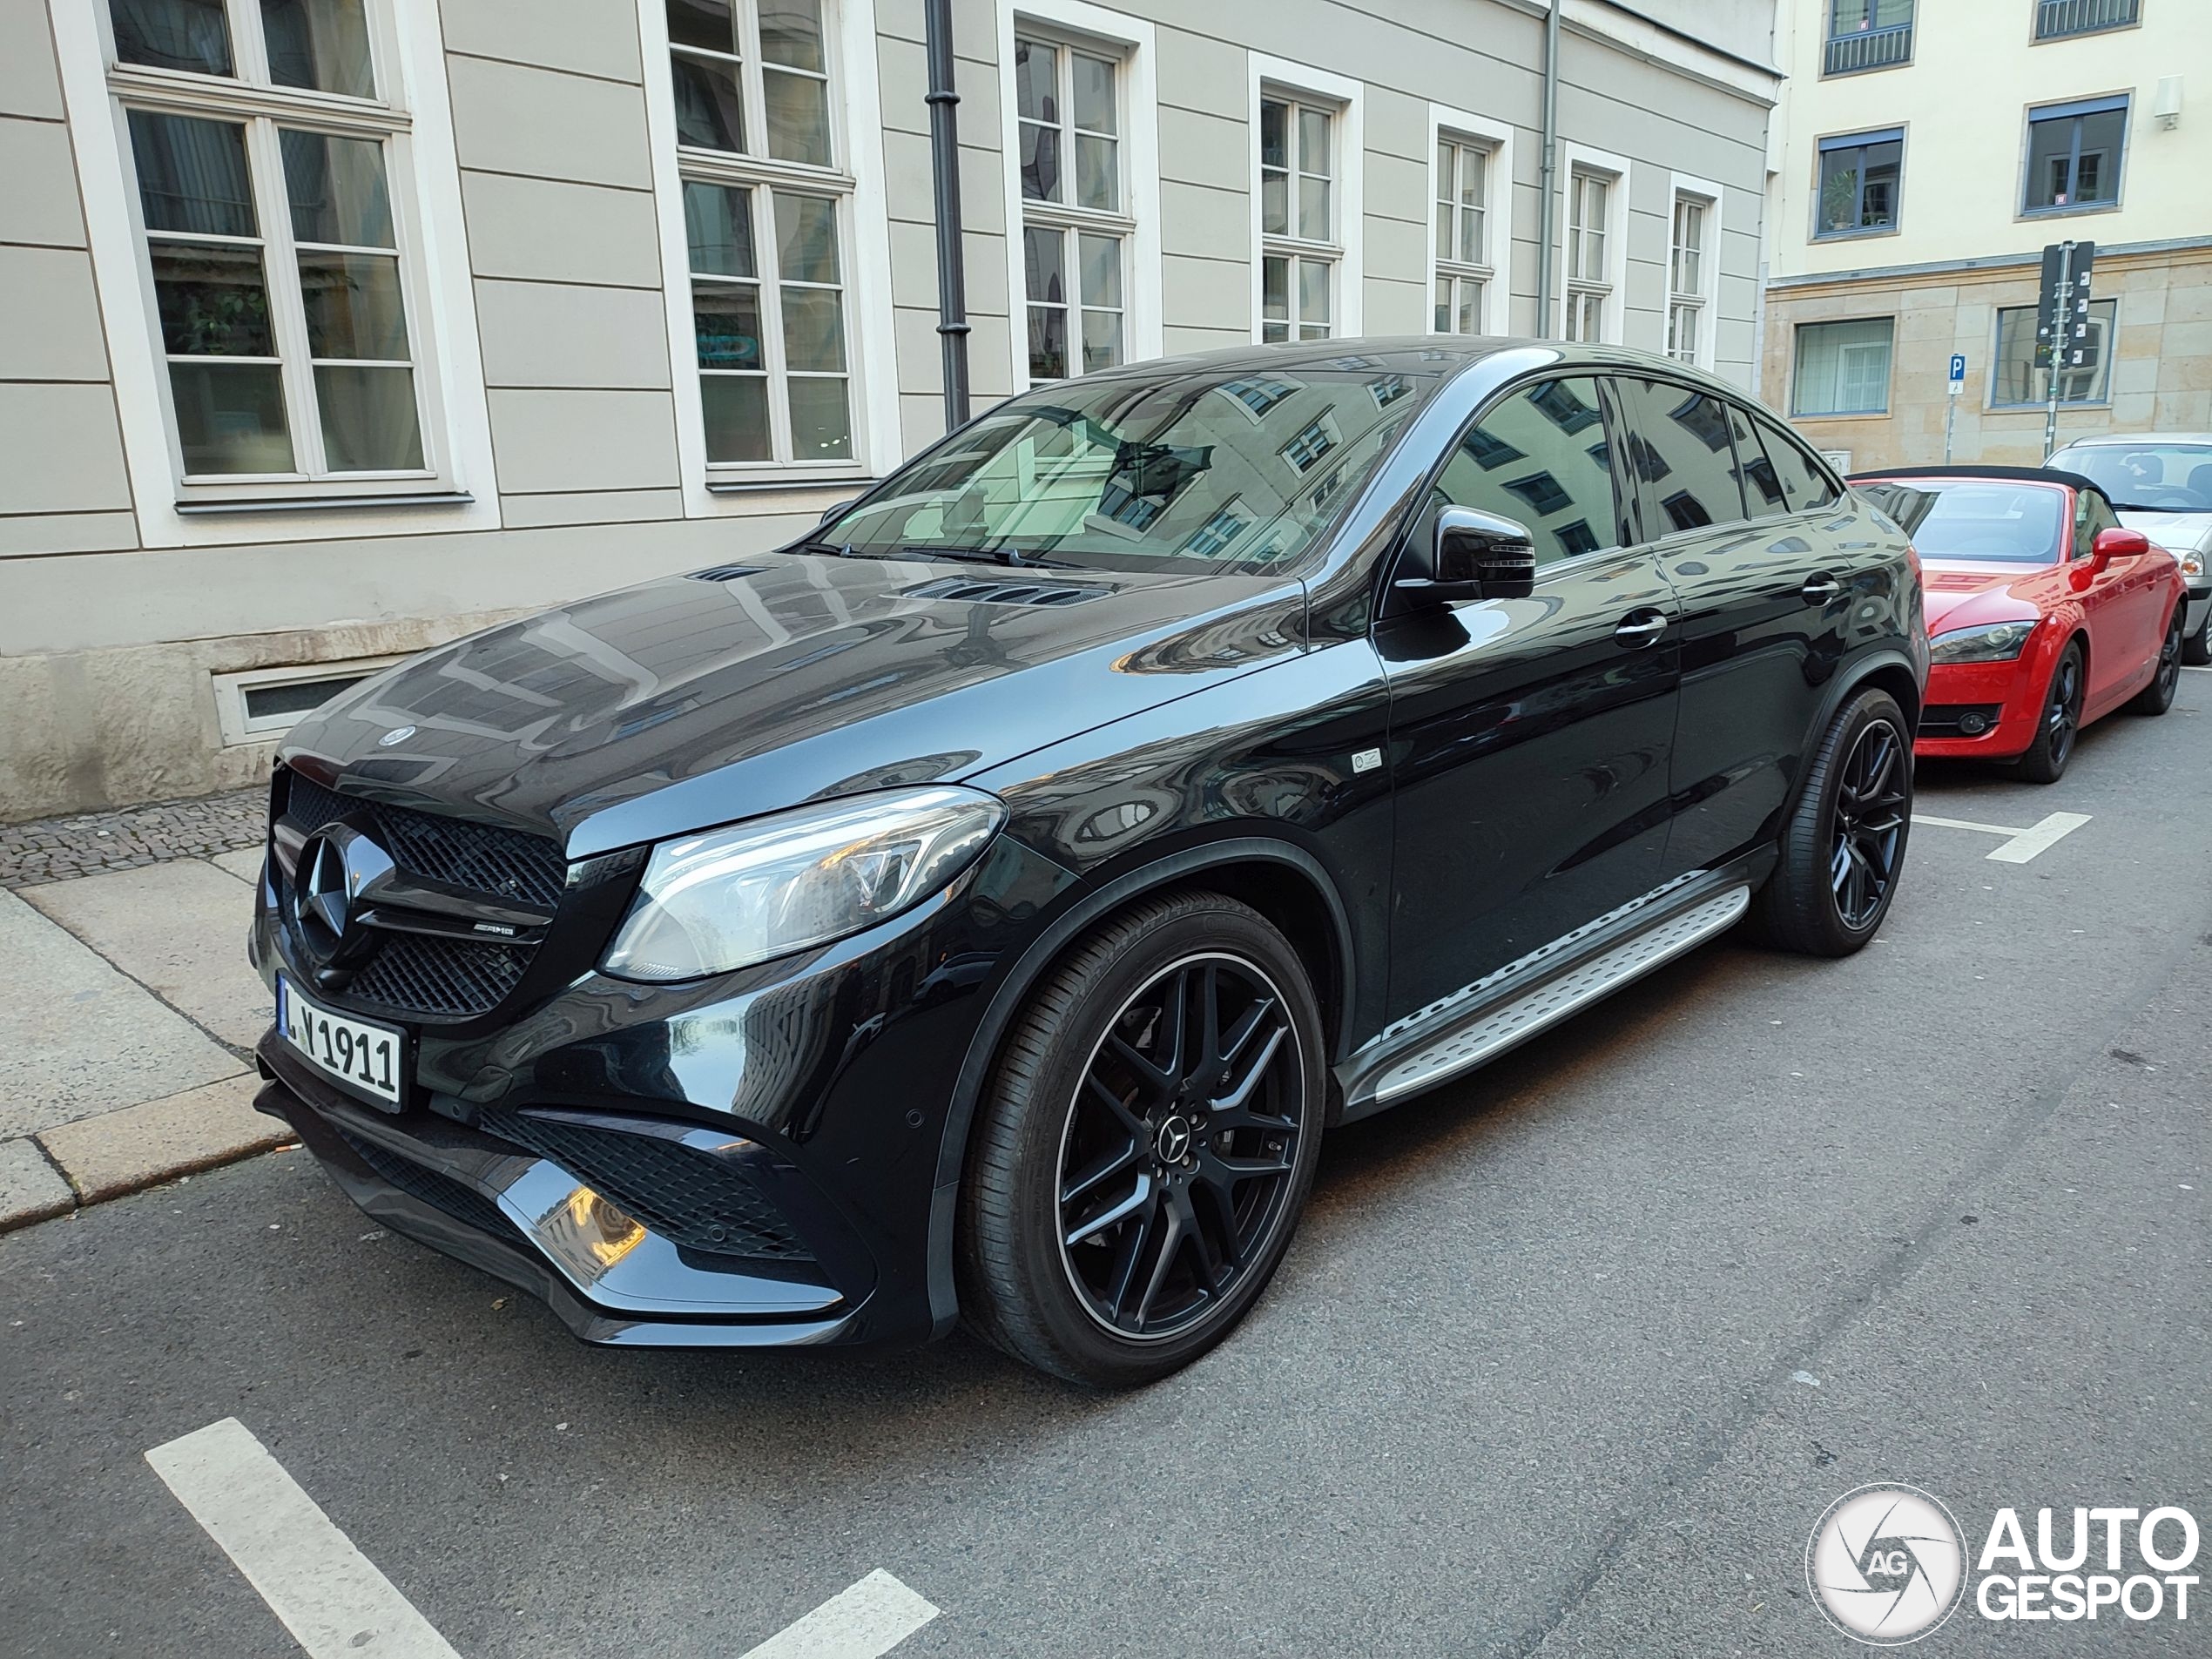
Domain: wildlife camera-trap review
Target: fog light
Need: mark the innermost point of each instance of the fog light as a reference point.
(1974, 725)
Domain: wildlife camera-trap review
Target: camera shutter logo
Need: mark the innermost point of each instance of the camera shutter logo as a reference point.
(1887, 1564)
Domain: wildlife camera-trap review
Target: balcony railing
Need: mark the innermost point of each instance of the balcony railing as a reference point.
(1868, 49)
(2055, 19)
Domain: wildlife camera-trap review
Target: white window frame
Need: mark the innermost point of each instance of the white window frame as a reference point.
(1573, 158)
(1705, 298)
(1463, 126)
(1132, 42)
(411, 115)
(1797, 361)
(237, 725)
(1277, 78)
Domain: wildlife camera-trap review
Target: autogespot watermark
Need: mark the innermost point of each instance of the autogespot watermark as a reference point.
(1887, 1564)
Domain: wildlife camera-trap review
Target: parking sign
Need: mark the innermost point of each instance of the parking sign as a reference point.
(1957, 373)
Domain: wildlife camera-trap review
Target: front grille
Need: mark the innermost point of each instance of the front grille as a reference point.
(1950, 719)
(457, 1199)
(692, 1198)
(423, 974)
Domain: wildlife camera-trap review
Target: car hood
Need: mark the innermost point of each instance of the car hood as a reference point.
(2178, 533)
(696, 700)
(1957, 594)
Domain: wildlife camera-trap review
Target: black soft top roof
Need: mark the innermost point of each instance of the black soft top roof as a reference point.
(2026, 474)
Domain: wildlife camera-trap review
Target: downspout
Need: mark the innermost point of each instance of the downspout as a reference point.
(1548, 215)
(944, 158)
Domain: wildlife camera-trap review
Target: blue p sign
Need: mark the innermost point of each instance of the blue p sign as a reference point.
(1958, 370)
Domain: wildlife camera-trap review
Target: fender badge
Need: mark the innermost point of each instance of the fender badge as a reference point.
(397, 734)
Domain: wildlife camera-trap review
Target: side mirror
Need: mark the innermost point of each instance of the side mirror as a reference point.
(2116, 543)
(838, 510)
(1477, 556)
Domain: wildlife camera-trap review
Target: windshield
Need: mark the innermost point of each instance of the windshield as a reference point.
(1129, 471)
(2149, 477)
(2011, 524)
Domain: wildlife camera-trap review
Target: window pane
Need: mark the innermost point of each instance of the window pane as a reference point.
(718, 224)
(702, 22)
(1039, 162)
(368, 419)
(1313, 141)
(319, 43)
(1047, 343)
(806, 238)
(1470, 313)
(354, 306)
(1036, 73)
(1843, 368)
(1098, 260)
(1101, 339)
(1471, 224)
(230, 417)
(172, 34)
(791, 34)
(2096, 176)
(1474, 170)
(336, 189)
(1096, 183)
(709, 113)
(1043, 253)
(813, 329)
(1275, 287)
(1313, 208)
(192, 174)
(1683, 456)
(820, 428)
(725, 324)
(1274, 122)
(1094, 100)
(212, 300)
(1275, 203)
(735, 407)
(1540, 459)
(799, 123)
(1313, 290)
(2019, 382)
(1443, 230)
(1443, 306)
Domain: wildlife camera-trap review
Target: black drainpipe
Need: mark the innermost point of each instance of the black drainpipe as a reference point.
(944, 156)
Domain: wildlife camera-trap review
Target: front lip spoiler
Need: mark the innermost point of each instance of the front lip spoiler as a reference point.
(315, 1124)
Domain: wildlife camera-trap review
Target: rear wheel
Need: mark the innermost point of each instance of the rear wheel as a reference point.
(1843, 848)
(2196, 648)
(2061, 723)
(1146, 1146)
(2158, 697)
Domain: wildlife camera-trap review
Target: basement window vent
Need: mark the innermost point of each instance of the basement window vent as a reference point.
(973, 592)
(262, 703)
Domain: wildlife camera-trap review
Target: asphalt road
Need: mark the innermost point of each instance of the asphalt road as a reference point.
(1567, 1359)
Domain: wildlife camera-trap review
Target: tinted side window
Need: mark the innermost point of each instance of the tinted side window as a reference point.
(1540, 458)
(2091, 515)
(1804, 485)
(1763, 491)
(1684, 457)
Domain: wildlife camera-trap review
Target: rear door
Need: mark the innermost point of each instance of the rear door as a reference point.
(1530, 735)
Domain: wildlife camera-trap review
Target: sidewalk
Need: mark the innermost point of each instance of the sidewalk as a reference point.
(128, 1014)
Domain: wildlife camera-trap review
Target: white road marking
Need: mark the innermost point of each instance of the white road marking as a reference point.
(2020, 844)
(2194, 667)
(328, 1595)
(871, 1618)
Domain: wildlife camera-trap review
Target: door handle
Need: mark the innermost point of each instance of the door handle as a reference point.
(1640, 628)
(1820, 589)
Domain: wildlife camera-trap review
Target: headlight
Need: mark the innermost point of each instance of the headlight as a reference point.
(2192, 564)
(1998, 643)
(728, 897)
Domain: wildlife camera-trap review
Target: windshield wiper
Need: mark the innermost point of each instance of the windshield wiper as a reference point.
(988, 556)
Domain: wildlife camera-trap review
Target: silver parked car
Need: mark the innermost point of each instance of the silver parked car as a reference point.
(2160, 482)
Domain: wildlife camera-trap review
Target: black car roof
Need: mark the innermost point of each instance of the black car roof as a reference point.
(2026, 474)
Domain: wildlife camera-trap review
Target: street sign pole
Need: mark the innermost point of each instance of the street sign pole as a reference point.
(2064, 338)
(1951, 410)
(2057, 300)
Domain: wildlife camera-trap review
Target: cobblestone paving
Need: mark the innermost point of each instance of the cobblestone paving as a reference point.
(58, 849)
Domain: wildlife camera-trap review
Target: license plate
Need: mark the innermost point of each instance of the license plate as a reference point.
(365, 1058)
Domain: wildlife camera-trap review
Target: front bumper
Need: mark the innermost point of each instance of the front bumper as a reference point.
(2008, 696)
(2197, 607)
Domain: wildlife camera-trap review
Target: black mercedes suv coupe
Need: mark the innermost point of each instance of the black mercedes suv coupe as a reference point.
(980, 907)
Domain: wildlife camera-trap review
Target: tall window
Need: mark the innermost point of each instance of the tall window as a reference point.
(1688, 273)
(1843, 368)
(1590, 252)
(2019, 383)
(1464, 266)
(1075, 226)
(2073, 155)
(753, 83)
(1300, 243)
(266, 177)
(1859, 182)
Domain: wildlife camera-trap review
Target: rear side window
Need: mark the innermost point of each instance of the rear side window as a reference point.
(1805, 486)
(1539, 458)
(1763, 492)
(2092, 514)
(1685, 458)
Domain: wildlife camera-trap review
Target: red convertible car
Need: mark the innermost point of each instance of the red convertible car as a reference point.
(2044, 613)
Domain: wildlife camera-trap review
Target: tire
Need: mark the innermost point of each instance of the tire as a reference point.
(1065, 1100)
(1850, 795)
(2059, 723)
(2197, 649)
(2158, 697)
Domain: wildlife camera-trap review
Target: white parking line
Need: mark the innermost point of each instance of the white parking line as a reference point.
(871, 1618)
(2019, 845)
(330, 1595)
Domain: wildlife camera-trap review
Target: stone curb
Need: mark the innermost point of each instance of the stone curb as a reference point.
(113, 1154)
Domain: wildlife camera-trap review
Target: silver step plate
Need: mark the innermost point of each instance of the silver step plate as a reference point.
(1554, 1000)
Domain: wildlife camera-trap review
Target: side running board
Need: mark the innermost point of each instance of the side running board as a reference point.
(1497, 1029)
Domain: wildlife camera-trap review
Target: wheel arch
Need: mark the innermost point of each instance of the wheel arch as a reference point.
(1283, 881)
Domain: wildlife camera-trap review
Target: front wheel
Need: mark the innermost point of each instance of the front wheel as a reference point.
(2197, 649)
(2060, 721)
(2158, 697)
(1843, 846)
(1146, 1145)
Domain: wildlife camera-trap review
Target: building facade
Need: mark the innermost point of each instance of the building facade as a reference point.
(342, 328)
(1926, 155)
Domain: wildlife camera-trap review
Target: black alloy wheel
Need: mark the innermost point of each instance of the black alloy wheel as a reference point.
(1842, 848)
(2061, 724)
(2158, 697)
(1179, 1146)
(1872, 804)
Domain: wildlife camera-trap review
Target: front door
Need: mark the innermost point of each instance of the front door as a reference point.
(2121, 606)
(1529, 737)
